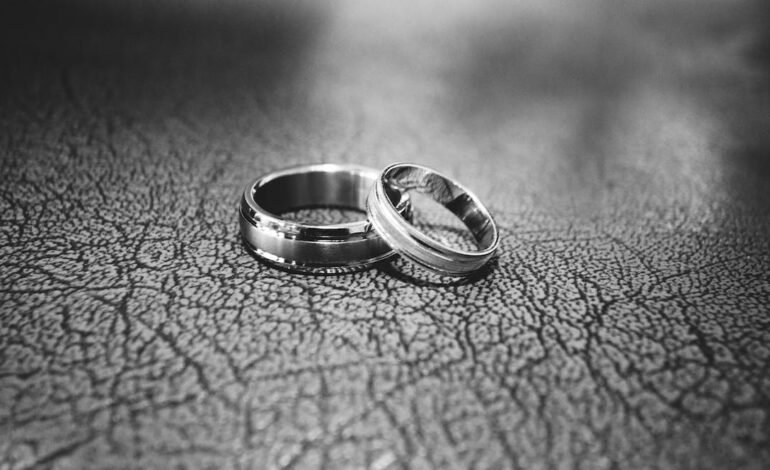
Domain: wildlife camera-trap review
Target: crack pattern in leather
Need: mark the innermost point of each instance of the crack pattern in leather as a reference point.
(624, 323)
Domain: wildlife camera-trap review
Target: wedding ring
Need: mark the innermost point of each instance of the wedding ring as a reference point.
(296, 246)
(407, 240)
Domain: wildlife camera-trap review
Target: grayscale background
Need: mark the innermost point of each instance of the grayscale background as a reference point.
(622, 145)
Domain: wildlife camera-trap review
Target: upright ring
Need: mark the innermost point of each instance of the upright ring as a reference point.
(296, 246)
(407, 240)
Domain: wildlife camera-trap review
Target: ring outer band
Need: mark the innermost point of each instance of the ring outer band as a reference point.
(313, 248)
(418, 247)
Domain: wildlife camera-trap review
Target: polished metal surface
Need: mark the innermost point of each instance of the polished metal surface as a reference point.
(303, 247)
(407, 240)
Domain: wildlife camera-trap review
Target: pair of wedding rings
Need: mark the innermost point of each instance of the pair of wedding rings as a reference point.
(351, 246)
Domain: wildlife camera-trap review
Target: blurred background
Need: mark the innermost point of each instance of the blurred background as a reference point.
(594, 94)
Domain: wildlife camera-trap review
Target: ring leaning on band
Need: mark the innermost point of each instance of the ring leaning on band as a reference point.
(408, 241)
(296, 246)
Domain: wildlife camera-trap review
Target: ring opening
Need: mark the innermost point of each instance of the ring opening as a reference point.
(293, 191)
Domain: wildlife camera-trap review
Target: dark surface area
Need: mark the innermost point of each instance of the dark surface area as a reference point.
(622, 145)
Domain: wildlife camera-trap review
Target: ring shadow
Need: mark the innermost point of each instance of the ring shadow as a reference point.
(398, 268)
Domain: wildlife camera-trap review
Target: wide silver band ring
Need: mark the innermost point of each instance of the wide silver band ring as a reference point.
(296, 246)
(408, 241)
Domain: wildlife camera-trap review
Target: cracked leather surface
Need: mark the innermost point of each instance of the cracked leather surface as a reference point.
(622, 147)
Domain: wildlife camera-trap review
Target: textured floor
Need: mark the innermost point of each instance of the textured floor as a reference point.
(621, 145)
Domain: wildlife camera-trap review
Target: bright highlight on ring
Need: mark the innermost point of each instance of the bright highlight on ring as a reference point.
(408, 241)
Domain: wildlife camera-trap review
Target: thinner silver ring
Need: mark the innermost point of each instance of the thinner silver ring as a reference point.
(408, 241)
(301, 247)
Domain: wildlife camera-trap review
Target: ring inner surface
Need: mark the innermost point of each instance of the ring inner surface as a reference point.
(446, 193)
(311, 189)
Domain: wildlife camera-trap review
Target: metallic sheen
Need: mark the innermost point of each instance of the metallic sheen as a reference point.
(296, 246)
(407, 240)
